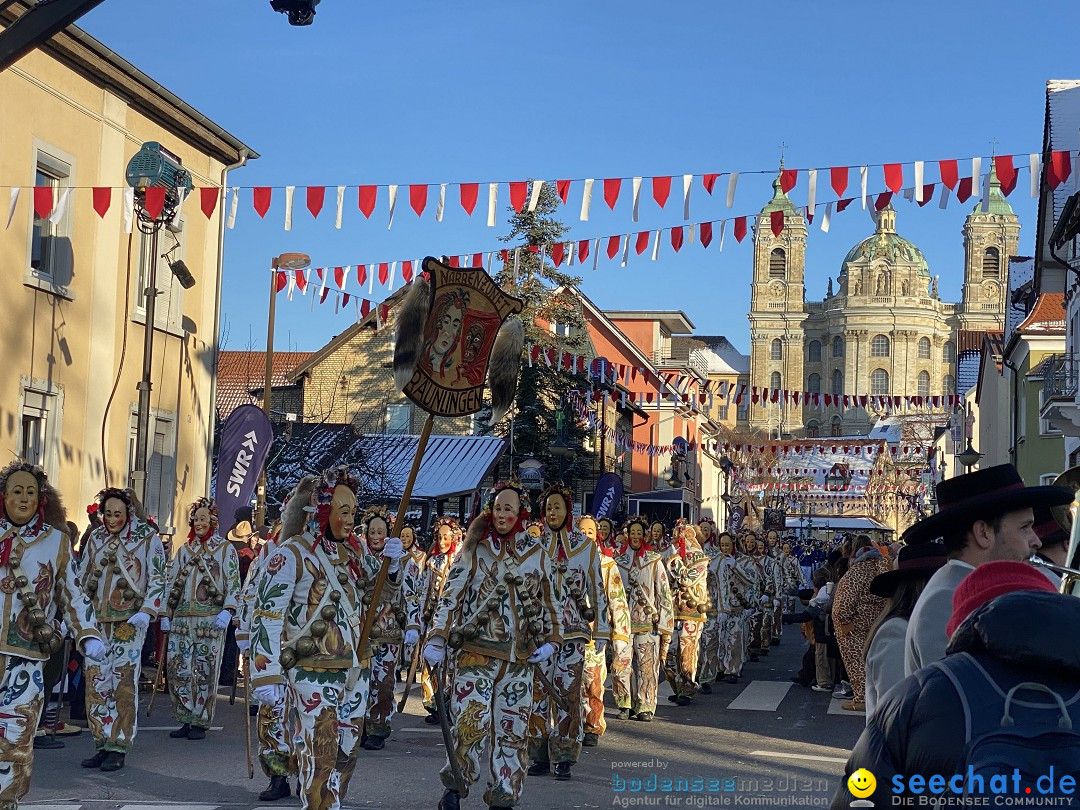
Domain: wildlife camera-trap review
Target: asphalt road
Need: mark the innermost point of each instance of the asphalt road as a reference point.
(763, 742)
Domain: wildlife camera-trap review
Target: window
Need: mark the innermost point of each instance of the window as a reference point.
(837, 346)
(1046, 427)
(777, 263)
(742, 413)
(51, 259)
(879, 382)
(160, 492)
(169, 307)
(722, 411)
(947, 385)
(948, 352)
(924, 384)
(879, 346)
(924, 348)
(991, 267)
(399, 418)
(837, 426)
(561, 329)
(35, 425)
(813, 384)
(813, 429)
(837, 383)
(814, 351)
(775, 381)
(776, 350)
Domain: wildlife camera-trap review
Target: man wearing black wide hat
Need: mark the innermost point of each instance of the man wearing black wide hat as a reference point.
(982, 517)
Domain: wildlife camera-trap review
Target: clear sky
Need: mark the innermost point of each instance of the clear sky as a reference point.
(424, 91)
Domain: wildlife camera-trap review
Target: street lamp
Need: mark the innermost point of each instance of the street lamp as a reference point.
(286, 261)
(970, 457)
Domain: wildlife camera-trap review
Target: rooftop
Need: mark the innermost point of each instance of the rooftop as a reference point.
(674, 320)
(886, 243)
(240, 373)
(1046, 317)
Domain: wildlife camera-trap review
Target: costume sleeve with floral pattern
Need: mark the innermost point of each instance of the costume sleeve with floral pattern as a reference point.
(602, 629)
(231, 570)
(157, 578)
(449, 607)
(412, 592)
(272, 599)
(618, 610)
(666, 623)
(77, 610)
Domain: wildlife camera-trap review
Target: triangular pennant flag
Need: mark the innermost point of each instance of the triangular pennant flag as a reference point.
(706, 234)
(208, 199)
(894, 177)
(612, 185)
(583, 250)
(709, 181)
(260, 198)
(366, 197)
(838, 176)
(740, 228)
(788, 178)
(927, 194)
(950, 172)
(384, 272)
(1058, 169)
(470, 193)
(642, 242)
(103, 199)
(557, 253)
(963, 189)
(1006, 173)
(418, 198)
(339, 277)
(519, 190)
(612, 246)
(776, 221)
(677, 237)
(407, 271)
(281, 280)
(562, 188)
(154, 201)
(883, 199)
(661, 188)
(301, 280)
(361, 275)
(315, 197)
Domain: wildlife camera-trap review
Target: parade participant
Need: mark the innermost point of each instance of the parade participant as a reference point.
(732, 603)
(308, 615)
(660, 540)
(605, 535)
(555, 730)
(498, 613)
(415, 561)
(753, 576)
(124, 573)
(35, 563)
(652, 621)
(444, 550)
(272, 723)
(387, 634)
(688, 570)
(709, 645)
(791, 578)
(203, 599)
(768, 598)
(592, 703)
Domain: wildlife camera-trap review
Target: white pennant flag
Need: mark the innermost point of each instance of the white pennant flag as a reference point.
(344, 275)
(571, 253)
(586, 200)
(827, 219)
(687, 182)
(862, 183)
(182, 193)
(371, 279)
(692, 238)
(732, 180)
(723, 227)
(909, 194)
(919, 181)
(976, 173)
(534, 198)
(340, 205)
(637, 196)
(292, 284)
(393, 205)
(441, 207)
(625, 250)
(986, 192)
(595, 252)
(1035, 164)
(232, 208)
(656, 246)
(517, 258)
(493, 201)
(61, 205)
(491, 259)
(393, 276)
(811, 191)
(943, 200)
(289, 190)
(129, 208)
(11, 209)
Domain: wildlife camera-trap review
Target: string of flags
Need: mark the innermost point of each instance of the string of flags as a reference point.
(1057, 167)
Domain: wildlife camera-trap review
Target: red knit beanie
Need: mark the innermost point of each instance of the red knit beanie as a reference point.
(990, 580)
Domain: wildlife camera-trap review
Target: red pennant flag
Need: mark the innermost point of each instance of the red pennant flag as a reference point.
(504, 255)
(418, 198)
(582, 251)
(406, 271)
(611, 191)
(1058, 169)
(154, 201)
(339, 277)
(208, 198)
(950, 172)
(883, 199)
(470, 192)
(319, 273)
(557, 251)
(927, 194)
(613, 246)
(843, 204)
(477, 260)
(963, 189)
(1006, 173)
(366, 197)
(301, 279)
(776, 221)
(384, 272)
(518, 192)
(260, 198)
(384, 312)
(453, 261)
(103, 199)
(740, 228)
(788, 177)
(661, 188)
(706, 234)
(894, 177)
(361, 275)
(709, 181)
(281, 280)
(345, 299)
(677, 237)
(562, 188)
(315, 197)
(642, 242)
(839, 177)
(325, 292)
(365, 308)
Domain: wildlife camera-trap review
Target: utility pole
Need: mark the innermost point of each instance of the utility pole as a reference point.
(150, 294)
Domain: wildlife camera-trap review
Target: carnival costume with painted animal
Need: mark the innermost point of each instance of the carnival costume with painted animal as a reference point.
(592, 702)
(652, 621)
(498, 612)
(305, 631)
(555, 731)
(753, 577)
(202, 601)
(39, 588)
(732, 602)
(688, 570)
(709, 644)
(124, 572)
(445, 545)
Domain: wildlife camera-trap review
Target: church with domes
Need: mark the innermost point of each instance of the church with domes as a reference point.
(883, 331)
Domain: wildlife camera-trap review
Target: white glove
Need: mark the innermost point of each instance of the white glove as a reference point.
(435, 652)
(765, 600)
(243, 644)
(165, 625)
(411, 637)
(776, 603)
(93, 649)
(63, 628)
(268, 695)
(222, 620)
(393, 551)
(599, 644)
(140, 620)
(542, 653)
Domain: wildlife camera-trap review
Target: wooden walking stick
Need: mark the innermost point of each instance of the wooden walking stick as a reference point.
(159, 679)
(444, 723)
(247, 715)
(412, 673)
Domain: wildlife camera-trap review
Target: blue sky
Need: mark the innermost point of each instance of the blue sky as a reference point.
(483, 91)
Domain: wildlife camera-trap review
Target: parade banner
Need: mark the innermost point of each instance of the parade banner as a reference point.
(245, 444)
(608, 494)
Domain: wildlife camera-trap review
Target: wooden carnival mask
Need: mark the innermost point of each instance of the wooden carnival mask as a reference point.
(21, 497)
(343, 513)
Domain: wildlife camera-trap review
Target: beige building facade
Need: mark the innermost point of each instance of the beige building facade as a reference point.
(883, 331)
(72, 115)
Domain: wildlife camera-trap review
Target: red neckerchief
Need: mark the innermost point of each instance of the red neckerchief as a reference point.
(605, 549)
(560, 546)
(12, 531)
(640, 551)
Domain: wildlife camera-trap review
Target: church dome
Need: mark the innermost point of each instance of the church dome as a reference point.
(887, 244)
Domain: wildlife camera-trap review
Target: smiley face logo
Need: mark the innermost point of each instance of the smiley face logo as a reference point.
(861, 783)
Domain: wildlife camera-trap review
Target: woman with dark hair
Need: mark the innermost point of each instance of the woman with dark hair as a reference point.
(885, 643)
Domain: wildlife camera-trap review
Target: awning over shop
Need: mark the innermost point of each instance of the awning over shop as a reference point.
(452, 465)
(840, 524)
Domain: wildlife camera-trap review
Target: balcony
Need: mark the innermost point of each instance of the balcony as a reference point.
(1058, 401)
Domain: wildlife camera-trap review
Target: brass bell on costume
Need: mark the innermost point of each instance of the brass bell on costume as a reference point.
(366, 599)
(219, 600)
(500, 590)
(37, 616)
(470, 630)
(21, 581)
(335, 596)
(588, 614)
(342, 577)
(287, 659)
(127, 594)
(328, 612)
(457, 639)
(508, 577)
(318, 628)
(305, 646)
(15, 560)
(116, 570)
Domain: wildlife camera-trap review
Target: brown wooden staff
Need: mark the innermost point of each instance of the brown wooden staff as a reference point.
(159, 679)
(247, 715)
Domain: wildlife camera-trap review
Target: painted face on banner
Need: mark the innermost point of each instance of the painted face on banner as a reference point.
(505, 511)
(114, 515)
(555, 512)
(342, 512)
(201, 522)
(21, 498)
(474, 343)
(588, 528)
(376, 534)
(447, 329)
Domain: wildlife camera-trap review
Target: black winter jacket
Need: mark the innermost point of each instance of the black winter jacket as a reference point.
(918, 727)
